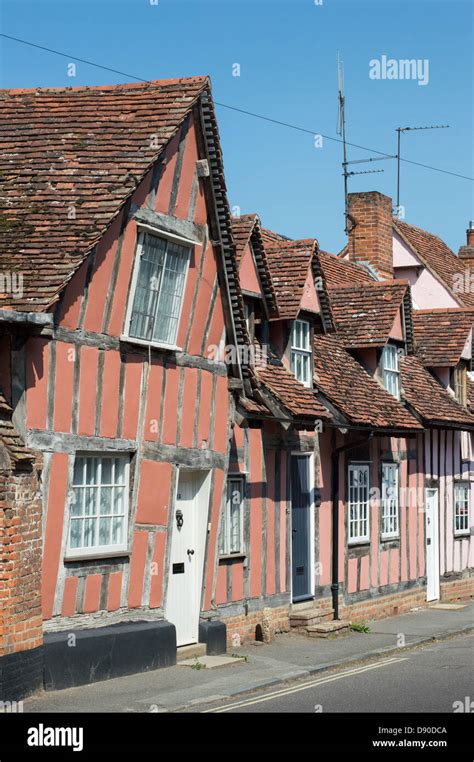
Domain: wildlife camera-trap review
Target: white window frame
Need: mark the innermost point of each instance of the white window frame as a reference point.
(464, 501)
(169, 238)
(225, 539)
(301, 351)
(391, 369)
(390, 503)
(97, 550)
(361, 508)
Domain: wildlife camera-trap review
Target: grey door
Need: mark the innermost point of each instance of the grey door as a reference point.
(300, 526)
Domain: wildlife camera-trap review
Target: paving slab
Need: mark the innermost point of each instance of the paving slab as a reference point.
(211, 662)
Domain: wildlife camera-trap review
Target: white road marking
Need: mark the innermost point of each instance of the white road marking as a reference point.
(304, 686)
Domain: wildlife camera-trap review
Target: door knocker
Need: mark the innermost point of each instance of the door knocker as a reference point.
(179, 518)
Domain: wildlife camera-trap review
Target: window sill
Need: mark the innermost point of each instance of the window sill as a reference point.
(357, 543)
(389, 537)
(465, 533)
(233, 557)
(151, 344)
(95, 555)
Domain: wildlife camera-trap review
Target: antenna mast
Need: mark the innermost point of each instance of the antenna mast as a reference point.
(341, 130)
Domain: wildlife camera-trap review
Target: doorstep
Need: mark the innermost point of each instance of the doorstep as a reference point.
(192, 651)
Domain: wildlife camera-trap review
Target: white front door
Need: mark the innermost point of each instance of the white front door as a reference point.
(183, 595)
(432, 544)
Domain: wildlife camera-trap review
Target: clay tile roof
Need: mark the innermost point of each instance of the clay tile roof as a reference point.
(470, 393)
(247, 227)
(9, 437)
(83, 149)
(340, 272)
(436, 255)
(358, 396)
(242, 228)
(428, 398)
(364, 314)
(270, 238)
(441, 335)
(289, 263)
(289, 392)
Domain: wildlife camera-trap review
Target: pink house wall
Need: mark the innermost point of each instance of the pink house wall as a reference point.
(142, 403)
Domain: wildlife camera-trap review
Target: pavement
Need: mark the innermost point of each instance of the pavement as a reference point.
(290, 657)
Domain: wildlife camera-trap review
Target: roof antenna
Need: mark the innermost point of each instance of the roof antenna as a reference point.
(341, 130)
(399, 130)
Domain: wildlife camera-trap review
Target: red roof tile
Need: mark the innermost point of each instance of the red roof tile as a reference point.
(245, 229)
(441, 335)
(289, 263)
(436, 255)
(340, 272)
(429, 399)
(242, 228)
(270, 238)
(364, 314)
(289, 392)
(358, 396)
(470, 393)
(85, 148)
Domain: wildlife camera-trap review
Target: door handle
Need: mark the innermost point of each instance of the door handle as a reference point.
(190, 552)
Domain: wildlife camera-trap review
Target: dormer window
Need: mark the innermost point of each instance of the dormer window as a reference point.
(301, 351)
(460, 383)
(157, 290)
(391, 369)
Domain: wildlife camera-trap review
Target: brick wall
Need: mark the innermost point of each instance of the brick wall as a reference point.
(394, 604)
(370, 236)
(458, 589)
(21, 634)
(247, 627)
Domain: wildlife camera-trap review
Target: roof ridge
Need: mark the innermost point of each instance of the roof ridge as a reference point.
(122, 86)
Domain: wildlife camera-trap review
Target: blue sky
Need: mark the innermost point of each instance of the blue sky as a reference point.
(287, 53)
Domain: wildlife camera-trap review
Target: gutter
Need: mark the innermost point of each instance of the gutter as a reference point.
(335, 516)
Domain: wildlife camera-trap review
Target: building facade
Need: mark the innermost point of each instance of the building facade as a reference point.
(206, 427)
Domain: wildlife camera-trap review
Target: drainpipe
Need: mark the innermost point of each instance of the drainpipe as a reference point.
(335, 516)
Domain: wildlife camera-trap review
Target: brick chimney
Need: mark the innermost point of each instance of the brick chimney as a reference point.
(370, 231)
(467, 252)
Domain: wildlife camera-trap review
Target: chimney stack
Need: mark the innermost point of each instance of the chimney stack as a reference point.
(370, 231)
(467, 252)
